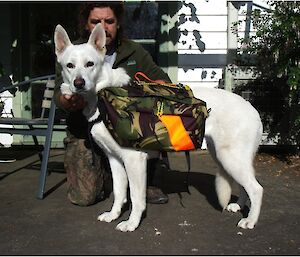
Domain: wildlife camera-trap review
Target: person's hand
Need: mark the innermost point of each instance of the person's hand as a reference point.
(73, 102)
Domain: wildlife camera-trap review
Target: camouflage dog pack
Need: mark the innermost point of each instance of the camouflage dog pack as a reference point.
(154, 116)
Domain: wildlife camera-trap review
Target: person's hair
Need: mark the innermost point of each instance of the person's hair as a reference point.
(84, 11)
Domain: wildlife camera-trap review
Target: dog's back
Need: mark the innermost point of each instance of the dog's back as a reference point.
(231, 118)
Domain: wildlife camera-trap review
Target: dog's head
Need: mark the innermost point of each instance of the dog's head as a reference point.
(81, 64)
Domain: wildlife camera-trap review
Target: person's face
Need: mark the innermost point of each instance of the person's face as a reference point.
(106, 17)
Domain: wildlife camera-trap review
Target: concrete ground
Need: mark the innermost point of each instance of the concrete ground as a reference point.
(189, 224)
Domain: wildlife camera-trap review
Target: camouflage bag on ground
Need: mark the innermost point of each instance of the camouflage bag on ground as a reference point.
(154, 116)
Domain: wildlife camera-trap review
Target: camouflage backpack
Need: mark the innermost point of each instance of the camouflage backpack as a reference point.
(154, 116)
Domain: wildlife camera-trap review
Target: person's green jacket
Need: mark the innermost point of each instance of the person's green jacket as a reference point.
(133, 58)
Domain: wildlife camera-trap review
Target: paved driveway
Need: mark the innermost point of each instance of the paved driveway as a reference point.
(190, 224)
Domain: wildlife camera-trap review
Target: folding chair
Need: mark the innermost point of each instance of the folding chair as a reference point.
(42, 126)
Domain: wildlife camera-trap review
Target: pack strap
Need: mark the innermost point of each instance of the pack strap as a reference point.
(147, 80)
(139, 73)
(165, 160)
(188, 160)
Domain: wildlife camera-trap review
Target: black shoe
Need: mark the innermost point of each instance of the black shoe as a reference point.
(156, 196)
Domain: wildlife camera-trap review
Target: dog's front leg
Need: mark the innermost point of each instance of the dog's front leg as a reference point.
(120, 77)
(135, 164)
(119, 188)
(112, 78)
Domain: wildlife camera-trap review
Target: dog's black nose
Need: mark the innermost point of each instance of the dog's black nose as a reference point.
(79, 83)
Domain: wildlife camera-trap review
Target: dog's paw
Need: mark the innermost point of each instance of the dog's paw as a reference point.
(65, 89)
(121, 77)
(108, 216)
(102, 84)
(246, 223)
(233, 207)
(127, 226)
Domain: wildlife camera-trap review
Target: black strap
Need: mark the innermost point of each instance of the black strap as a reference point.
(165, 159)
(188, 160)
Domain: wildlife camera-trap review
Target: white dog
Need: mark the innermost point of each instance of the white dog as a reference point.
(233, 133)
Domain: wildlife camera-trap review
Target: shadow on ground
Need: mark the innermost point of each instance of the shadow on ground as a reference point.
(189, 224)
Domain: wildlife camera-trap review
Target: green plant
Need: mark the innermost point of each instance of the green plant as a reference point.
(276, 47)
(1, 70)
(1, 102)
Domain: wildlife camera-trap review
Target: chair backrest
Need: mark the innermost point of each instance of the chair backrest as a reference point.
(48, 97)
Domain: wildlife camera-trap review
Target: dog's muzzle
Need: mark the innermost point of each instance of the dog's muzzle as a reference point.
(79, 83)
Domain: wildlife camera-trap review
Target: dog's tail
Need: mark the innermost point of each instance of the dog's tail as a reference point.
(223, 188)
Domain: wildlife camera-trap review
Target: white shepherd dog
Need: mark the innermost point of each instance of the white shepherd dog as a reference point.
(233, 133)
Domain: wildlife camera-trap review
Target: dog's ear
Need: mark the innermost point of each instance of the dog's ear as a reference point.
(61, 40)
(98, 38)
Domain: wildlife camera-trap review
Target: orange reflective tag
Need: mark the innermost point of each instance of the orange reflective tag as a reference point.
(179, 137)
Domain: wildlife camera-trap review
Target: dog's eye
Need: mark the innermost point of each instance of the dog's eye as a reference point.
(70, 65)
(89, 64)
